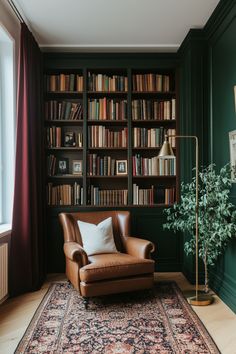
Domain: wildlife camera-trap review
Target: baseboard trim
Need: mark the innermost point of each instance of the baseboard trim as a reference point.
(224, 287)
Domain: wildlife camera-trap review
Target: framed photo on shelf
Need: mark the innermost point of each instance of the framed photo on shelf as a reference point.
(77, 167)
(69, 139)
(121, 167)
(235, 97)
(63, 166)
(232, 151)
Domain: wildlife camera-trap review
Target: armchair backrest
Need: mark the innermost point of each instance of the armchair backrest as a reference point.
(120, 222)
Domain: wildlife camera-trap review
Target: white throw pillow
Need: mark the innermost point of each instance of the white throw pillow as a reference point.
(97, 238)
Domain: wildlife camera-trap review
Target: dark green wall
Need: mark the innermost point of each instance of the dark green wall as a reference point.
(193, 116)
(221, 35)
(207, 78)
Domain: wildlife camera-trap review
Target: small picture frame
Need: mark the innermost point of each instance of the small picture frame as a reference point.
(63, 166)
(69, 139)
(232, 150)
(77, 167)
(121, 167)
(235, 97)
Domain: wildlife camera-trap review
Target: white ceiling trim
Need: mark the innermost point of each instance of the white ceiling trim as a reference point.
(19, 9)
(112, 47)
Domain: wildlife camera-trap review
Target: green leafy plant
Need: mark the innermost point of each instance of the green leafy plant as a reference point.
(216, 215)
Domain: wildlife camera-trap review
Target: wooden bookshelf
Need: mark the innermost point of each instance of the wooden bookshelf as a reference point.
(114, 114)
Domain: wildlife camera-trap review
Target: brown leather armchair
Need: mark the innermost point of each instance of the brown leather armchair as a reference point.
(101, 274)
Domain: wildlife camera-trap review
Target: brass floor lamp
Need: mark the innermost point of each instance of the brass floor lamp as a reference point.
(199, 299)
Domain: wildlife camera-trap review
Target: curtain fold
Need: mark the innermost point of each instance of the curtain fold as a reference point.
(27, 250)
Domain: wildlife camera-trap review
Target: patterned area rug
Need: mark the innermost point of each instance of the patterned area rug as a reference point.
(151, 321)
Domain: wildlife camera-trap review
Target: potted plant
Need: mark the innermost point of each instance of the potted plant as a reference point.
(216, 215)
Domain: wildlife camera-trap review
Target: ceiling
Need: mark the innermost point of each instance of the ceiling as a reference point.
(114, 25)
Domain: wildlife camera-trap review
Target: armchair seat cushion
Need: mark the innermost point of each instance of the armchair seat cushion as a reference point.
(113, 266)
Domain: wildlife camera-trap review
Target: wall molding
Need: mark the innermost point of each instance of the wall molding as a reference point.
(225, 287)
(217, 20)
(216, 28)
(193, 35)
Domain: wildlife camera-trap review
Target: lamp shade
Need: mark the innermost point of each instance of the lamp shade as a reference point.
(166, 150)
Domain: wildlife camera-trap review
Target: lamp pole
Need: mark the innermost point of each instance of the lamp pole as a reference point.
(167, 152)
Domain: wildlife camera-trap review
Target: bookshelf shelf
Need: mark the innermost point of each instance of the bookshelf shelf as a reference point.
(155, 176)
(154, 122)
(64, 149)
(107, 148)
(64, 122)
(150, 148)
(65, 92)
(120, 207)
(155, 93)
(65, 177)
(107, 93)
(106, 122)
(108, 177)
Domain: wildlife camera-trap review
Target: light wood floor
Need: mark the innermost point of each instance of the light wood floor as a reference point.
(15, 315)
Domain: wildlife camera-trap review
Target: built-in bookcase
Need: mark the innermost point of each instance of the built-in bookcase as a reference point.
(105, 118)
(103, 131)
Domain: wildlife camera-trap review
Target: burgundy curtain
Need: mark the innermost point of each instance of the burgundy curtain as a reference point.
(27, 255)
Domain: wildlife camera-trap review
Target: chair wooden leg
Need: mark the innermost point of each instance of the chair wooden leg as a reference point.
(86, 302)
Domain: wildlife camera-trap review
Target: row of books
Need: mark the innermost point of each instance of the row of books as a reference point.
(63, 110)
(148, 137)
(101, 166)
(108, 197)
(154, 166)
(153, 195)
(171, 137)
(100, 136)
(70, 138)
(53, 137)
(105, 82)
(107, 109)
(151, 137)
(103, 109)
(65, 194)
(153, 110)
(51, 165)
(64, 82)
(102, 82)
(151, 82)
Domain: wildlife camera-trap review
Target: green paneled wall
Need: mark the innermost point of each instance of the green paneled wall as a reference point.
(192, 114)
(208, 74)
(207, 77)
(222, 78)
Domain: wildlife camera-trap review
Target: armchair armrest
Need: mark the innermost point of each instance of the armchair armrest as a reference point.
(75, 253)
(138, 247)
